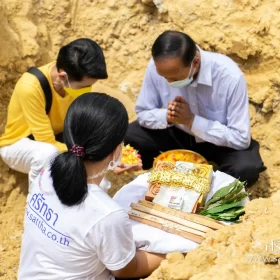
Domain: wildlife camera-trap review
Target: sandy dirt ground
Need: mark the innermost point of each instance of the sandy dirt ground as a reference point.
(248, 31)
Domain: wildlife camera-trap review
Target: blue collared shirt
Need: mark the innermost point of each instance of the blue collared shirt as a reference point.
(218, 98)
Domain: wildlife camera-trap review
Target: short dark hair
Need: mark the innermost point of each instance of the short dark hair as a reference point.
(98, 123)
(82, 58)
(174, 44)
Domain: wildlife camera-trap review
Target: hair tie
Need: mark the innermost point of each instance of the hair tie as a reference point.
(78, 151)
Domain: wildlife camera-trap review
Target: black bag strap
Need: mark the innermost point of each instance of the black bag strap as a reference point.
(44, 85)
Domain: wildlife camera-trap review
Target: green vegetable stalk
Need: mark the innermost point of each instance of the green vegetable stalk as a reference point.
(224, 203)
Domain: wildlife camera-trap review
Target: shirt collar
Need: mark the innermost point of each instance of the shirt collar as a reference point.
(204, 74)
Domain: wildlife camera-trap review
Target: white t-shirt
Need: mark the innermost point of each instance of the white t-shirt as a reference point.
(78, 242)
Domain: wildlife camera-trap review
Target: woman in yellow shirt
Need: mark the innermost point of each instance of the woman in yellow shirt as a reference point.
(78, 66)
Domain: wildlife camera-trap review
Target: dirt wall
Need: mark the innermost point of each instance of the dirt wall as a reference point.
(33, 30)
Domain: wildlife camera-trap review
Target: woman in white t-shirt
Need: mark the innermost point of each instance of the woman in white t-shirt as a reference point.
(72, 228)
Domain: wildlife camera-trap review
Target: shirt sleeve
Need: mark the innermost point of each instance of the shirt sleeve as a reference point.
(236, 134)
(150, 113)
(112, 239)
(33, 106)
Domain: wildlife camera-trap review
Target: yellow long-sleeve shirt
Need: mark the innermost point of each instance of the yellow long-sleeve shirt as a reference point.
(27, 113)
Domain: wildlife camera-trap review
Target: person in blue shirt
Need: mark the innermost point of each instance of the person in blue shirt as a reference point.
(197, 100)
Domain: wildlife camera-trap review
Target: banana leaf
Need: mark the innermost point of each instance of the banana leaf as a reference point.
(231, 197)
(217, 203)
(240, 196)
(228, 199)
(223, 207)
(218, 195)
(232, 214)
(231, 217)
(227, 219)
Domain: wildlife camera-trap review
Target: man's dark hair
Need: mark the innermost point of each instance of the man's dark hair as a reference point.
(172, 44)
(82, 58)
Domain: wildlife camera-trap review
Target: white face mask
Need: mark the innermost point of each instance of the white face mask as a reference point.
(115, 163)
(185, 82)
(111, 166)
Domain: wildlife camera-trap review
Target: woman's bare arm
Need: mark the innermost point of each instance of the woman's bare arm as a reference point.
(143, 264)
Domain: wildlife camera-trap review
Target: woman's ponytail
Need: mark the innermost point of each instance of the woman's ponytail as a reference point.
(69, 178)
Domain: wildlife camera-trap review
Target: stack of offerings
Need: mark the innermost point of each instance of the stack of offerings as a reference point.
(191, 226)
(176, 191)
(181, 186)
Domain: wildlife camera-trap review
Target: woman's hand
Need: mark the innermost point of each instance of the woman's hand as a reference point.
(124, 167)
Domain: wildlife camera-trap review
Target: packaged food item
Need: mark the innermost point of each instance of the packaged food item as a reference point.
(177, 198)
(130, 155)
(175, 202)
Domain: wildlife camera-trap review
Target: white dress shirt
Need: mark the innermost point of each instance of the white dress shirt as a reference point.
(218, 98)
